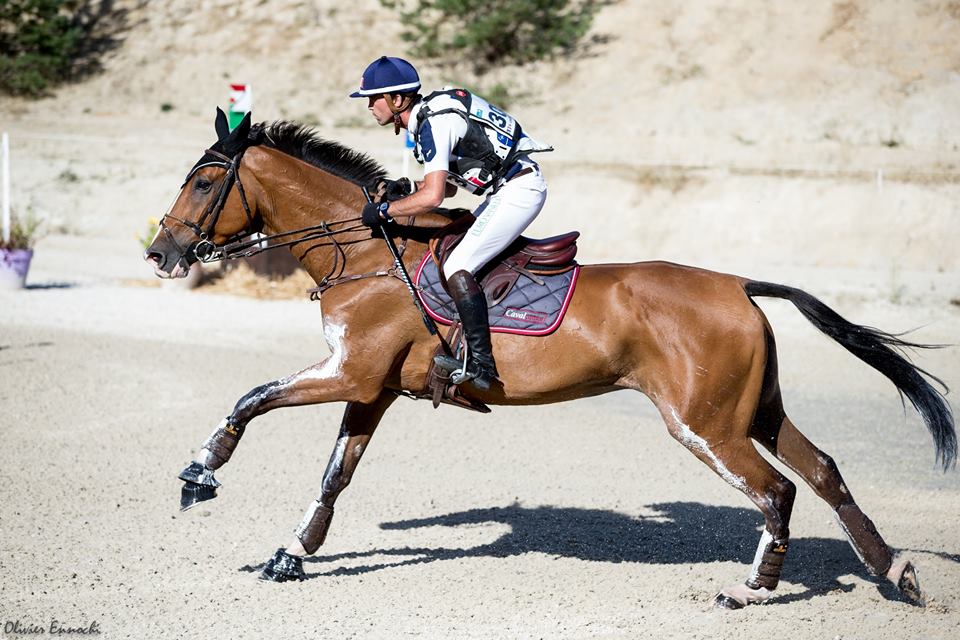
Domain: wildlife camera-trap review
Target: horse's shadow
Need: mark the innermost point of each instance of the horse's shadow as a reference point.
(677, 533)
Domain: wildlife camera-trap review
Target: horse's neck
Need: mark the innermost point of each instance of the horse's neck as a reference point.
(297, 195)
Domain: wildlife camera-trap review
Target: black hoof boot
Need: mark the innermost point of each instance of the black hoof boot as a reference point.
(192, 494)
(199, 485)
(723, 601)
(909, 586)
(283, 567)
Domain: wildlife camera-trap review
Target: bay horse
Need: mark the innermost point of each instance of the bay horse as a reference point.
(694, 341)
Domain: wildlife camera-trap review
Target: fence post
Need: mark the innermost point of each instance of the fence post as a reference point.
(5, 161)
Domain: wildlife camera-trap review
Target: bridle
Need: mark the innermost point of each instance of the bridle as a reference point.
(204, 250)
(240, 245)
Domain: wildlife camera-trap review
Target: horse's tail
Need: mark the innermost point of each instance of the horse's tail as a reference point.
(884, 352)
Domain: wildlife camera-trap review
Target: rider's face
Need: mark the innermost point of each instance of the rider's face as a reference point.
(380, 109)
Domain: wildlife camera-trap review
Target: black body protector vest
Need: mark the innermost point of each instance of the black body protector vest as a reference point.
(486, 152)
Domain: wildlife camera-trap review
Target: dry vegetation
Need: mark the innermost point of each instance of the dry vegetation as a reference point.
(240, 279)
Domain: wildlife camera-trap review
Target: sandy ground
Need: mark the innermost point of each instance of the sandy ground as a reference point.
(812, 145)
(576, 520)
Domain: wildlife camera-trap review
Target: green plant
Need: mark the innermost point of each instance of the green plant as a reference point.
(494, 32)
(67, 175)
(45, 42)
(24, 232)
(498, 94)
(146, 239)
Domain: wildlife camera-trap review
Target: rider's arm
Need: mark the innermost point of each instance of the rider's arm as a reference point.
(437, 137)
(451, 188)
(429, 195)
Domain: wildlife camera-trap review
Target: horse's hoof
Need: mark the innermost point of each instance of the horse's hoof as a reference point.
(192, 494)
(199, 485)
(723, 601)
(740, 595)
(283, 567)
(909, 585)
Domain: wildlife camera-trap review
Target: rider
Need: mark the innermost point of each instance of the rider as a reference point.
(462, 141)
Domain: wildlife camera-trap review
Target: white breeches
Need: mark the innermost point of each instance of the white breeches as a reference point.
(500, 220)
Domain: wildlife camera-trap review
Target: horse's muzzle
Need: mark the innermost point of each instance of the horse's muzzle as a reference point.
(158, 261)
(166, 260)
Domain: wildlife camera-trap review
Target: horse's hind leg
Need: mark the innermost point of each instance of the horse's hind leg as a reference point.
(733, 457)
(359, 423)
(821, 473)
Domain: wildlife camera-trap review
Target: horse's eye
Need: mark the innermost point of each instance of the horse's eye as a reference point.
(202, 184)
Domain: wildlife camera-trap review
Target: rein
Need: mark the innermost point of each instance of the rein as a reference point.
(241, 245)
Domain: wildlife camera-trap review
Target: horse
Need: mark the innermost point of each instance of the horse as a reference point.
(694, 341)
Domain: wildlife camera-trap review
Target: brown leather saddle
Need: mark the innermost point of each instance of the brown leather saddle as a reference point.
(525, 257)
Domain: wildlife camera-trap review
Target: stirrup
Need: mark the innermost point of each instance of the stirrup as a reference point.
(457, 370)
(459, 373)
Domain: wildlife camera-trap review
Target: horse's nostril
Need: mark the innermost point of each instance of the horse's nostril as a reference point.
(155, 257)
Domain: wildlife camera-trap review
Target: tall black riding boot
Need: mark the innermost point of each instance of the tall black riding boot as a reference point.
(472, 307)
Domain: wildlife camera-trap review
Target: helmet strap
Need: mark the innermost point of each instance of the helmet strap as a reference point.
(404, 105)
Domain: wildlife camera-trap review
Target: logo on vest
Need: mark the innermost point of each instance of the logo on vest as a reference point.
(524, 315)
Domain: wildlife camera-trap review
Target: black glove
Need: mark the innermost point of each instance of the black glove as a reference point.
(396, 189)
(375, 214)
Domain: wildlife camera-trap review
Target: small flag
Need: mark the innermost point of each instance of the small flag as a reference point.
(241, 103)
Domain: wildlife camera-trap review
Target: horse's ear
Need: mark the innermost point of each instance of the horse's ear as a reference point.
(236, 141)
(221, 124)
(244, 127)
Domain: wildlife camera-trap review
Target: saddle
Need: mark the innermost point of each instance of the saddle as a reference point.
(526, 257)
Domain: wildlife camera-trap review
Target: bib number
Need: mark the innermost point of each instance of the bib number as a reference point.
(502, 121)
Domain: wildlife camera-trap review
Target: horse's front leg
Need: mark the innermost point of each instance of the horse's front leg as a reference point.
(359, 422)
(199, 483)
(329, 381)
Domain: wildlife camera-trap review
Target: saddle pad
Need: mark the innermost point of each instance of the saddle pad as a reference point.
(529, 309)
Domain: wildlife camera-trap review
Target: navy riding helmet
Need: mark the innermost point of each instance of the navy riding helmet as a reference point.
(387, 75)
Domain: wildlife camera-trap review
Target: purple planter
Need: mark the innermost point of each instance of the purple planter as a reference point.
(14, 264)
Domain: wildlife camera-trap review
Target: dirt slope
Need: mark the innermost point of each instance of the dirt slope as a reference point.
(745, 135)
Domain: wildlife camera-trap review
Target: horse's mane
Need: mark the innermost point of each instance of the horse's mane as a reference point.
(303, 142)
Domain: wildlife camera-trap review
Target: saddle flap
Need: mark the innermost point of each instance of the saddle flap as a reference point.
(520, 301)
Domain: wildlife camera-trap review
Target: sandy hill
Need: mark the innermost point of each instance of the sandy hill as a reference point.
(865, 74)
(736, 134)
